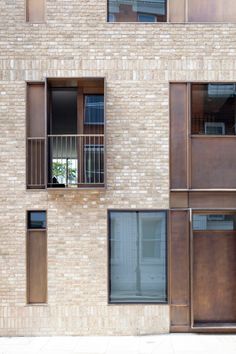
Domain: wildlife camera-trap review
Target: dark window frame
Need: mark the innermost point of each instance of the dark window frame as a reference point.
(28, 220)
(166, 212)
(145, 14)
(210, 214)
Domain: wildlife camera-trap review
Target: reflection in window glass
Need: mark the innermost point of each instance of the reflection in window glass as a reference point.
(138, 257)
(94, 163)
(94, 109)
(112, 17)
(137, 10)
(65, 171)
(146, 18)
(214, 109)
(214, 221)
(36, 220)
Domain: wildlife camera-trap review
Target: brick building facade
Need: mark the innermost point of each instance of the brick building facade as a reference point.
(138, 61)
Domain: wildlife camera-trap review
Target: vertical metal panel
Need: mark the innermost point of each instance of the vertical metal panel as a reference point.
(177, 11)
(35, 10)
(37, 266)
(178, 135)
(35, 162)
(179, 270)
(35, 110)
(211, 11)
(213, 162)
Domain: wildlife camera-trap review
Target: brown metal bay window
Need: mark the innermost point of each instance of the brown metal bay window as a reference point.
(203, 136)
(172, 11)
(74, 134)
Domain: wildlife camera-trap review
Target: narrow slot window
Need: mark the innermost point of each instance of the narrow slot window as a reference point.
(37, 257)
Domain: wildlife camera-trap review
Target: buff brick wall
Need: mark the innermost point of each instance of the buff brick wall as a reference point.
(137, 61)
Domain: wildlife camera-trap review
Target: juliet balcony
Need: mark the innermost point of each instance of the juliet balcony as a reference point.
(72, 153)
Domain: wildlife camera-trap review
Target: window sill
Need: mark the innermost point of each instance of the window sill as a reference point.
(205, 136)
(36, 305)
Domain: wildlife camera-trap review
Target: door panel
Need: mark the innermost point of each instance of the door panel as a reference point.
(214, 274)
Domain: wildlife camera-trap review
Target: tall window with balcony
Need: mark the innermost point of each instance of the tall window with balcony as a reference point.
(75, 135)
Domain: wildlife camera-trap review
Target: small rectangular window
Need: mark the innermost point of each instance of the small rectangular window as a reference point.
(36, 220)
(146, 18)
(35, 11)
(94, 109)
(219, 222)
(36, 257)
(213, 109)
(138, 257)
(137, 10)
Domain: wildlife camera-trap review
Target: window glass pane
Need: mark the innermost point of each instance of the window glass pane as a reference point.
(94, 163)
(138, 257)
(146, 18)
(213, 109)
(112, 17)
(214, 222)
(64, 171)
(94, 109)
(36, 220)
(136, 10)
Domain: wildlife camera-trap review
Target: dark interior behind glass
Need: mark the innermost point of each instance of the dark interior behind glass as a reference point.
(213, 109)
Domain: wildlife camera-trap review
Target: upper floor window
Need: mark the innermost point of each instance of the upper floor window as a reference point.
(137, 10)
(213, 109)
(69, 150)
(94, 109)
(178, 11)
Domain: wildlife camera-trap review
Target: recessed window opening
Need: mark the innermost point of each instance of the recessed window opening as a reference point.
(76, 133)
(137, 10)
(137, 257)
(214, 222)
